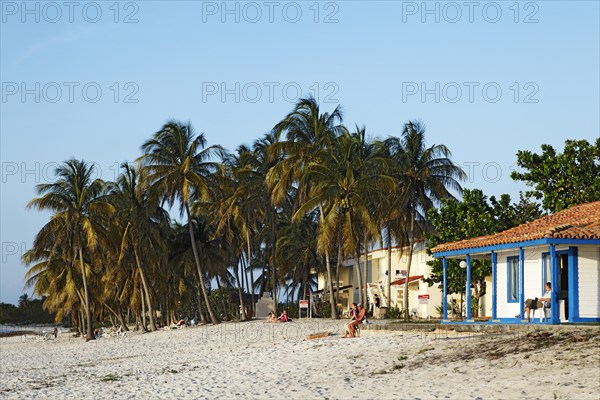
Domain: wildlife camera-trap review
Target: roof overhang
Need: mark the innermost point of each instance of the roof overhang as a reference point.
(483, 252)
(335, 289)
(412, 279)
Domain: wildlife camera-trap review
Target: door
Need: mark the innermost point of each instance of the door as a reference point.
(563, 289)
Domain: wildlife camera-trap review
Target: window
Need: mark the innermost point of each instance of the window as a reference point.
(545, 270)
(512, 276)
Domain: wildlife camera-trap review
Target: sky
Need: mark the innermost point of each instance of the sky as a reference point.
(94, 80)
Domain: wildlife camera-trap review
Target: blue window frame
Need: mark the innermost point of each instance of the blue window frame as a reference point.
(512, 279)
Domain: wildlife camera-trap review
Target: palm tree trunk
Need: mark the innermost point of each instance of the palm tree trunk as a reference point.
(337, 271)
(163, 312)
(90, 331)
(330, 284)
(389, 269)
(329, 277)
(366, 276)
(200, 312)
(273, 269)
(151, 314)
(304, 287)
(411, 244)
(358, 276)
(239, 288)
(121, 319)
(143, 309)
(222, 296)
(249, 265)
(242, 262)
(137, 322)
(211, 313)
(81, 323)
(116, 313)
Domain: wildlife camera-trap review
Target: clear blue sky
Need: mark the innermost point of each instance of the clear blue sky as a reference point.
(235, 72)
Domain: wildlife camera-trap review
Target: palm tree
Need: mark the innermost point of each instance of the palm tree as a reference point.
(181, 256)
(372, 181)
(343, 183)
(24, 301)
(425, 175)
(176, 165)
(230, 223)
(309, 136)
(143, 228)
(390, 213)
(297, 253)
(243, 202)
(78, 203)
(55, 279)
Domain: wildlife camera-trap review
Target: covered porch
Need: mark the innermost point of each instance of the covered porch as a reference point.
(491, 253)
(561, 248)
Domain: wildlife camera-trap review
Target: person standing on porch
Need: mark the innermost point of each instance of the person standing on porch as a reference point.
(533, 304)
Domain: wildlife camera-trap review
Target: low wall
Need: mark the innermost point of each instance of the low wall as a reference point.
(478, 328)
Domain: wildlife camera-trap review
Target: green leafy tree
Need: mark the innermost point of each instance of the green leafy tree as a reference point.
(561, 180)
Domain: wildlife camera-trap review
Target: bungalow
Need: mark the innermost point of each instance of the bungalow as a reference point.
(561, 248)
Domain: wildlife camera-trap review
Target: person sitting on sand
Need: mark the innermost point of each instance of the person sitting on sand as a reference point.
(284, 317)
(351, 327)
(352, 313)
(272, 317)
(533, 304)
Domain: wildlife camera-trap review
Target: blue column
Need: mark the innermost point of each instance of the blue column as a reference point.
(468, 287)
(522, 282)
(494, 285)
(573, 285)
(445, 298)
(554, 282)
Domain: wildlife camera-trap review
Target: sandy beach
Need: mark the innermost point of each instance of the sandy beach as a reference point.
(261, 360)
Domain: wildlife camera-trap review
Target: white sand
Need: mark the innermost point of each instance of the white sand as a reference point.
(262, 360)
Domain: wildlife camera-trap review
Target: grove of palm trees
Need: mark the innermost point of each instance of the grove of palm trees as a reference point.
(267, 217)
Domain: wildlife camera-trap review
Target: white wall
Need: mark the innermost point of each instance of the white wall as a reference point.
(504, 309)
(532, 272)
(589, 281)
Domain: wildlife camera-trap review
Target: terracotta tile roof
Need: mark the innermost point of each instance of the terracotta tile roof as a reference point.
(578, 222)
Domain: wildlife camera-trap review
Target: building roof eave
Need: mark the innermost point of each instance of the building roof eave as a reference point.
(488, 249)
